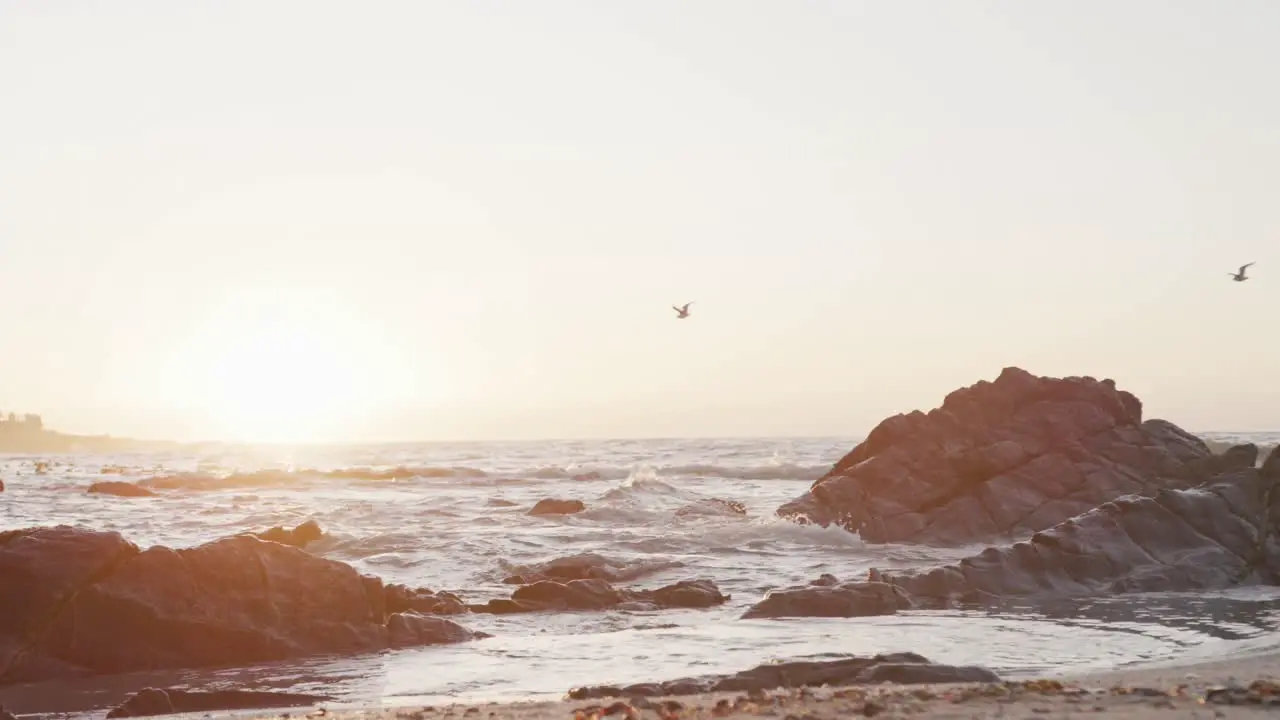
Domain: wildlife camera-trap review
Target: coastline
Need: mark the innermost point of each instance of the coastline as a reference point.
(1212, 688)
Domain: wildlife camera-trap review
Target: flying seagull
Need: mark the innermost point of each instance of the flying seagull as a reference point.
(682, 312)
(1240, 276)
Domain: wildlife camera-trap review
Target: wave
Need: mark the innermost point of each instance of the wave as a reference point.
(769, 471)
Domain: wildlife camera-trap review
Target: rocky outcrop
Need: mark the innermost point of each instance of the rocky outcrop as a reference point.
(846, 600)
(552, 506)
(596, 594)
(902, 668)
(1220, 535)
(121, 489)
(153, 701)
(301, 536)
(77, 602)
(1004, 459)
(587, 566)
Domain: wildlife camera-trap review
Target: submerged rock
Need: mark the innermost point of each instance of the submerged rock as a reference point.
(902, 668)
(152, 701)
(551, 506)
(587, 566)
(855, 599)
(1005, 459)
(712, 506)
(301, 536)
(121, 489)
(1220, 535)
(81, 602)
(596, 594)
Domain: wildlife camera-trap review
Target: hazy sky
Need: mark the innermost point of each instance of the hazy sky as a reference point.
(314, 219)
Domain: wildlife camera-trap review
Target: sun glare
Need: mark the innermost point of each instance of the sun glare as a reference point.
(288, 374)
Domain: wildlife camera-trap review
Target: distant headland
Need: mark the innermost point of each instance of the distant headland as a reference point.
(27, 434)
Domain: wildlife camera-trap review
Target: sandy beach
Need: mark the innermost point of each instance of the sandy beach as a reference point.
(1243, 687)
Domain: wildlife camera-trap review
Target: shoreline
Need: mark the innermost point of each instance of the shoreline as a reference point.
(1196, 688)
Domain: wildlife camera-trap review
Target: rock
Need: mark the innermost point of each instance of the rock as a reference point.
(549, 506)
(919, 674)
(302, 535)
(573, 595)
(414, 630)
(684, 594)
(825, 580)
(1004, 459)
(121, 489)
(587, 566)
(596, 594)
(423, 601)
(79, 602)
(1221, 535)
(6, 715)
(1, 490)
(168, 702)
(909, 667)
(712, 506)
(855, 599)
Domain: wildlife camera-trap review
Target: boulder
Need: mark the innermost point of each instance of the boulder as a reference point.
(1220, 535)
(900, 668)
(551, 506)
(596, 594)
(121, 489)
(855, 599)
(78, 602)
(302, 535)
(152, 701)
(1, 486)
(1004, 459)
(414, 630)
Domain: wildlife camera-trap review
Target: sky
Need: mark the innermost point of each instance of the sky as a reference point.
(418, 220)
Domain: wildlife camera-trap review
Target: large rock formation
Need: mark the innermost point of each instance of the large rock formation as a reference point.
(76, 602)
(901, 668)
(1005, 459)
(1220, 535)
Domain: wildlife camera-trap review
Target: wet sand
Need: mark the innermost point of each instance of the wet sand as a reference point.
(1244, 687)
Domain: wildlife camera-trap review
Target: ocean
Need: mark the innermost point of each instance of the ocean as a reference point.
(461, 525)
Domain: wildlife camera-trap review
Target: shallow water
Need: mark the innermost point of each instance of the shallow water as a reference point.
(453, 529)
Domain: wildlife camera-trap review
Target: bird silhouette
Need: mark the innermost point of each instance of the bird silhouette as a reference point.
(1240, 276)
(682, 312)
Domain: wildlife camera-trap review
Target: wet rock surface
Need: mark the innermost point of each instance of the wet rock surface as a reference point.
(423, 601)
(1220, 535)
(586, 566)
(1004, 459)
(901, 668)
(712, 506)
(121, 489)
(81, 602)
(552, 506)
(854, 599)
(153, 701)
(301, 536)
(595, 594)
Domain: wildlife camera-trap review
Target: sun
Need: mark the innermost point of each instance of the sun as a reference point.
(288, 372)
